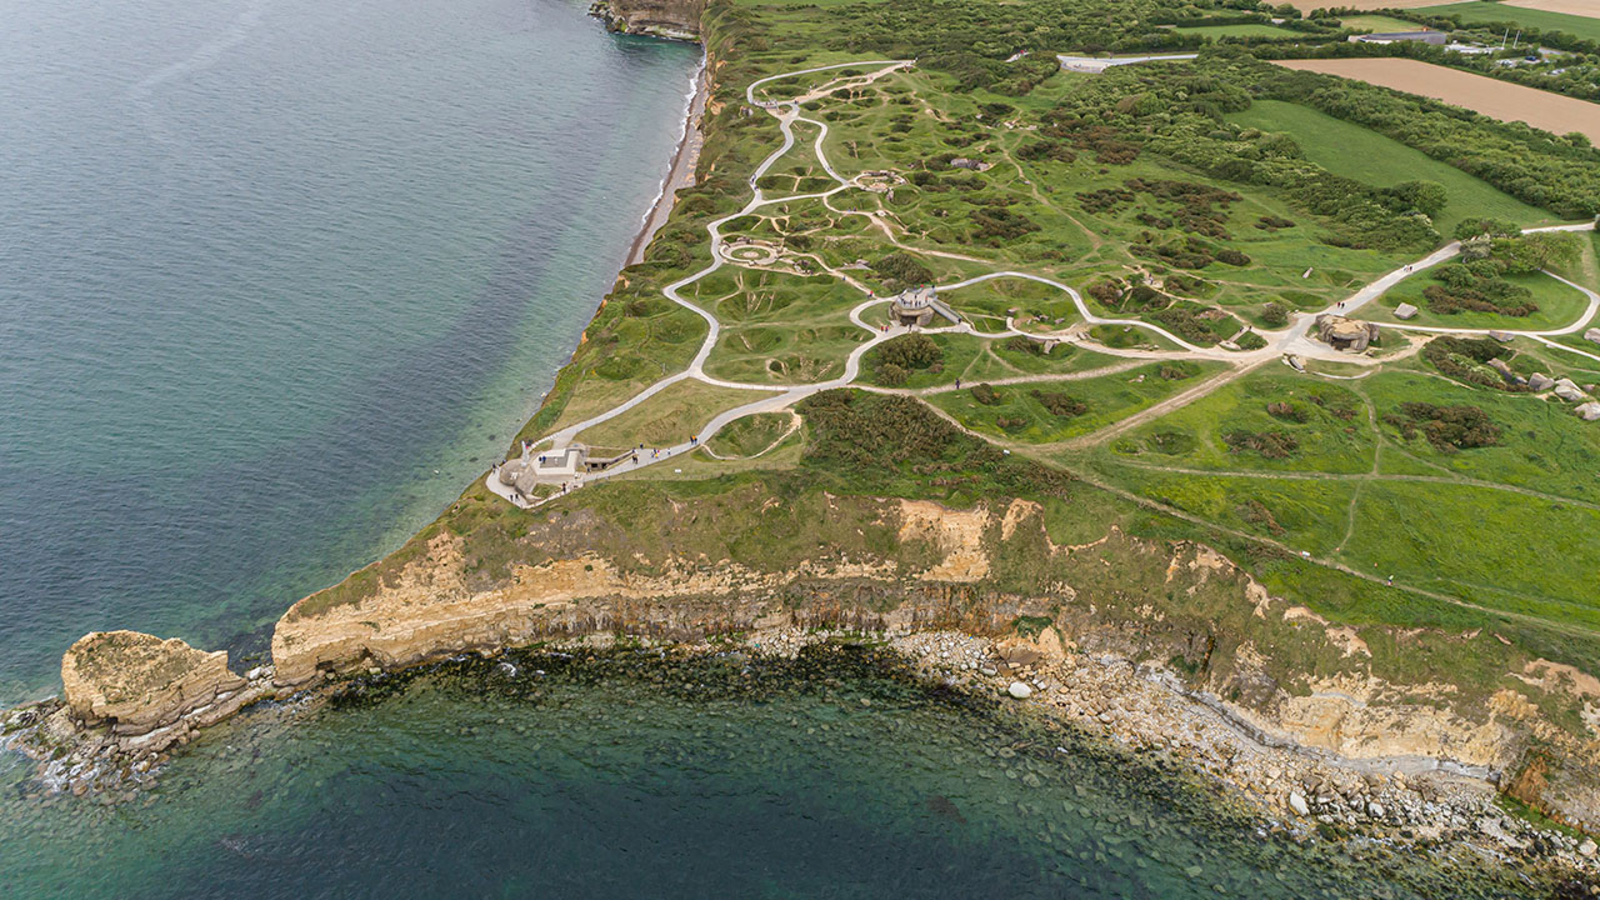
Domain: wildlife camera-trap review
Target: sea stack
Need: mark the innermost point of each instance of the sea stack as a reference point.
(138, 682)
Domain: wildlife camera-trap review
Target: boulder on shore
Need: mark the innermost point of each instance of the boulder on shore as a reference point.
(138, 682)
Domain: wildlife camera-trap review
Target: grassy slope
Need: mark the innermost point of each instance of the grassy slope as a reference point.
(1347, 149)
(1377, 24)
(1351, 518)
(1559, 306)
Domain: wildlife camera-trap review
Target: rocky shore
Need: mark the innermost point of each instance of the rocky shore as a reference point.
(677, 20)
(129, 699)
(1299, 747)
(1299, 792)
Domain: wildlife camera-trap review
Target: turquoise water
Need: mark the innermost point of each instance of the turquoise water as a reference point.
(631, 776)
(278, 278)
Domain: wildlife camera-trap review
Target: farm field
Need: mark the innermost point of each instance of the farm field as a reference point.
(1306, 6)
(1500, 99)
(1347, 149)
(1580, 18)
(1245, 30)
(1379, 23)
(1581, 8)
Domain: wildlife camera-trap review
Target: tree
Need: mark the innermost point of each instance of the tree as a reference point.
(1428, 196)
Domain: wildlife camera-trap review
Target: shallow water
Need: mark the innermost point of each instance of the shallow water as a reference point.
(279, 277)
(633, 776)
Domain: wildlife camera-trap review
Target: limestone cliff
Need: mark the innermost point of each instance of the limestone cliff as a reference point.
(676, 19)
(138, 682)
(1276, 669)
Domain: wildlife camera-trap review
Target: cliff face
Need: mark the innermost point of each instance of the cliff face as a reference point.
(139, 682)
(1274, 668)
(677, 19)
(429, 611)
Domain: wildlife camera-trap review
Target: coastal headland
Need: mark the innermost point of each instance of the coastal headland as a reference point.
(1036, 501)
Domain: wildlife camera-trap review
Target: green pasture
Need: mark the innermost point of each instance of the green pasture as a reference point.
(1586, 27)
(1379, 24)
(1247, 30)
(1345, 148)
(1020, 416)
(1560, 305)
(1329, 422)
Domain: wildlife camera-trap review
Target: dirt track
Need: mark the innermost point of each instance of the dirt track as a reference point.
(1501, 99)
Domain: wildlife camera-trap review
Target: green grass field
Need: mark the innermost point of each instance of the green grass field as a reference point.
(1022, 415)
(1478, 13)
(1380, 24)
(1559, 305)
(668, 418)
(1344, 148)
(1247, 30)
(1328, 421)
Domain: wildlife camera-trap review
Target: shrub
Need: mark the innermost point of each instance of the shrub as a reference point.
(903, 268)
(1466, 358)
(1106, 292)
(1448, 428)
(1274, 316)
(1270, 444)
(909, 352)
(986, 394)
(1059, 404)
(1286, 412)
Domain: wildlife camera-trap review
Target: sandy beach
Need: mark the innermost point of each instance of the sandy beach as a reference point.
(681, 173)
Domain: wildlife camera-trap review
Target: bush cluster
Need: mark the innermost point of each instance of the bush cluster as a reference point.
(1448, 428)
(1270, 444)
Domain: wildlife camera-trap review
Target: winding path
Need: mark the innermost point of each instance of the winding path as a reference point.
(1292, 340)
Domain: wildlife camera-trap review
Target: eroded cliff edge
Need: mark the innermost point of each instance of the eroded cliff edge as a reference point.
(759, 560)
(672, 19)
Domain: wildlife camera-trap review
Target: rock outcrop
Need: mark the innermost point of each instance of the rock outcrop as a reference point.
(136, 682)
(429, 611)
(674, 19)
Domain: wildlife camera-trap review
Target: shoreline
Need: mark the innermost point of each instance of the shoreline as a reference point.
(1300, 792)
(681, 171)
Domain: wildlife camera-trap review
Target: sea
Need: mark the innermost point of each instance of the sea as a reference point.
(277, 279)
